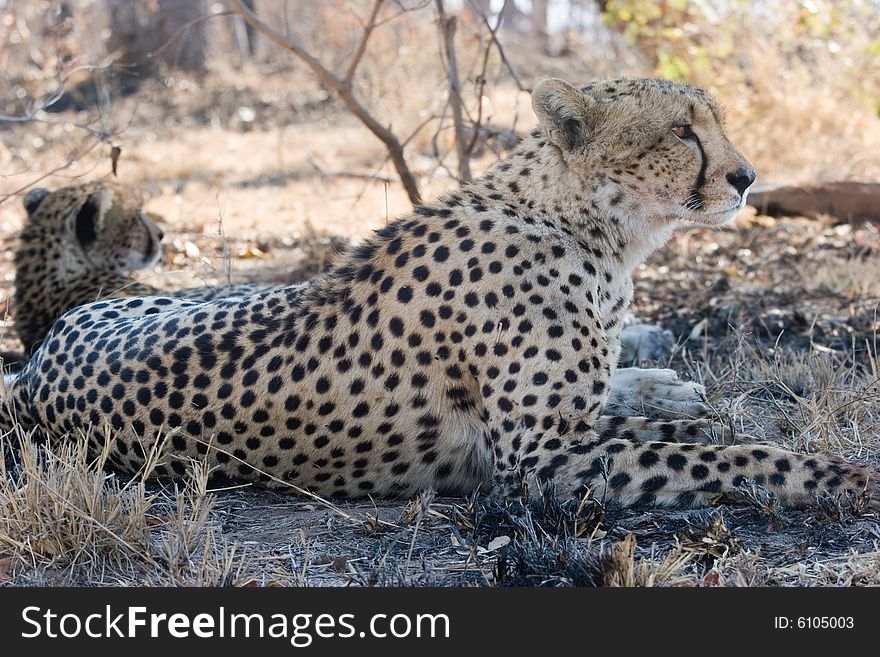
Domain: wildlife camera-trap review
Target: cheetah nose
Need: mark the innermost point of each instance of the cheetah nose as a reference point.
(741, 179)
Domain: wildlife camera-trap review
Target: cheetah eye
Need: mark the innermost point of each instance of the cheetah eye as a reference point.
(683, 132)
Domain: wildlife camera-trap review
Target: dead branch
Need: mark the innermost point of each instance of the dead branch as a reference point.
(344, 90)
(848, 201)
(346, 173)
(184, 28)
(362, 45)
(447, 26)
(494, 37)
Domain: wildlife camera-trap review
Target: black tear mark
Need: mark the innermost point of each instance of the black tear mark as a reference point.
(86, 230)
(695, 198)
(148, 252)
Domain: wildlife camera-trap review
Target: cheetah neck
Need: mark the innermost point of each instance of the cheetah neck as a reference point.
(537, 184)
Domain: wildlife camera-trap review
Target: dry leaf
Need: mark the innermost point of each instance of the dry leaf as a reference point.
(115, 152)
(598, 533)
(713, 579)
(497, 543)
(251, 252)
(698, 330)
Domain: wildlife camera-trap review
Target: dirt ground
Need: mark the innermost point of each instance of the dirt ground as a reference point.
(777, 317)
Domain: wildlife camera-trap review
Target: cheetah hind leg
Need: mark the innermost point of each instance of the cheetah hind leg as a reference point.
(630, 473)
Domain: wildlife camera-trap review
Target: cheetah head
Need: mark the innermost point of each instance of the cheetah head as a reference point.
(657, 148)
(102, 225)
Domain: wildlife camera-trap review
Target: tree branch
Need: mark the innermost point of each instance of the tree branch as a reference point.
(447, 30)
(362, 46)
(344, 91)
(498, 46)
(184, 28)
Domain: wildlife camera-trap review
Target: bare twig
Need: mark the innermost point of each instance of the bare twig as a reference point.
(184, 28)
(71, 160)
(345, 173)
(362, 45)
(403, 10)
(33, 113)
(447, 26)
(481, 87)
(345, 93)
(494, 37)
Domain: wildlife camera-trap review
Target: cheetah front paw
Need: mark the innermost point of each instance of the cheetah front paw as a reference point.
(640, 342)
(655, 393)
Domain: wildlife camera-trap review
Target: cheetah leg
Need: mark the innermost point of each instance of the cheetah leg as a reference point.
(656, 392)
(642, 429)
(629, 473)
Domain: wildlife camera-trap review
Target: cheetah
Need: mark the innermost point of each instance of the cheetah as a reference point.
(79, 244)
(82, 242)
(469, 345)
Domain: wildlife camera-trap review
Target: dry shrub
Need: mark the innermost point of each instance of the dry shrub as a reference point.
(816, 401)
(619, 566)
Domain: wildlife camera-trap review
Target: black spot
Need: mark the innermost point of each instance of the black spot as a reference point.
(699, 471)
(654, 483)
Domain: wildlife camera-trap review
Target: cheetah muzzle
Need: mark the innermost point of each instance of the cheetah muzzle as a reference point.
(468, 344)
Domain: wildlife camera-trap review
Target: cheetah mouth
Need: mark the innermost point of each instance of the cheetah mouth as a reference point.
(713, 217)
(733, 210)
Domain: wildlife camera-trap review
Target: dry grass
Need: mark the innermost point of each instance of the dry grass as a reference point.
(65, 520)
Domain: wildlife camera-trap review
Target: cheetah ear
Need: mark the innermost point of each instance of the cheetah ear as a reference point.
(33, 199)
(565, 112)
(91, 216)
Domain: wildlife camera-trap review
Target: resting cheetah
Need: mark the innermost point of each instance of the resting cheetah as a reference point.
(469, 344)
(80, 244)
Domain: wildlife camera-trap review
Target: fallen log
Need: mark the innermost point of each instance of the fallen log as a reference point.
(845, 200)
